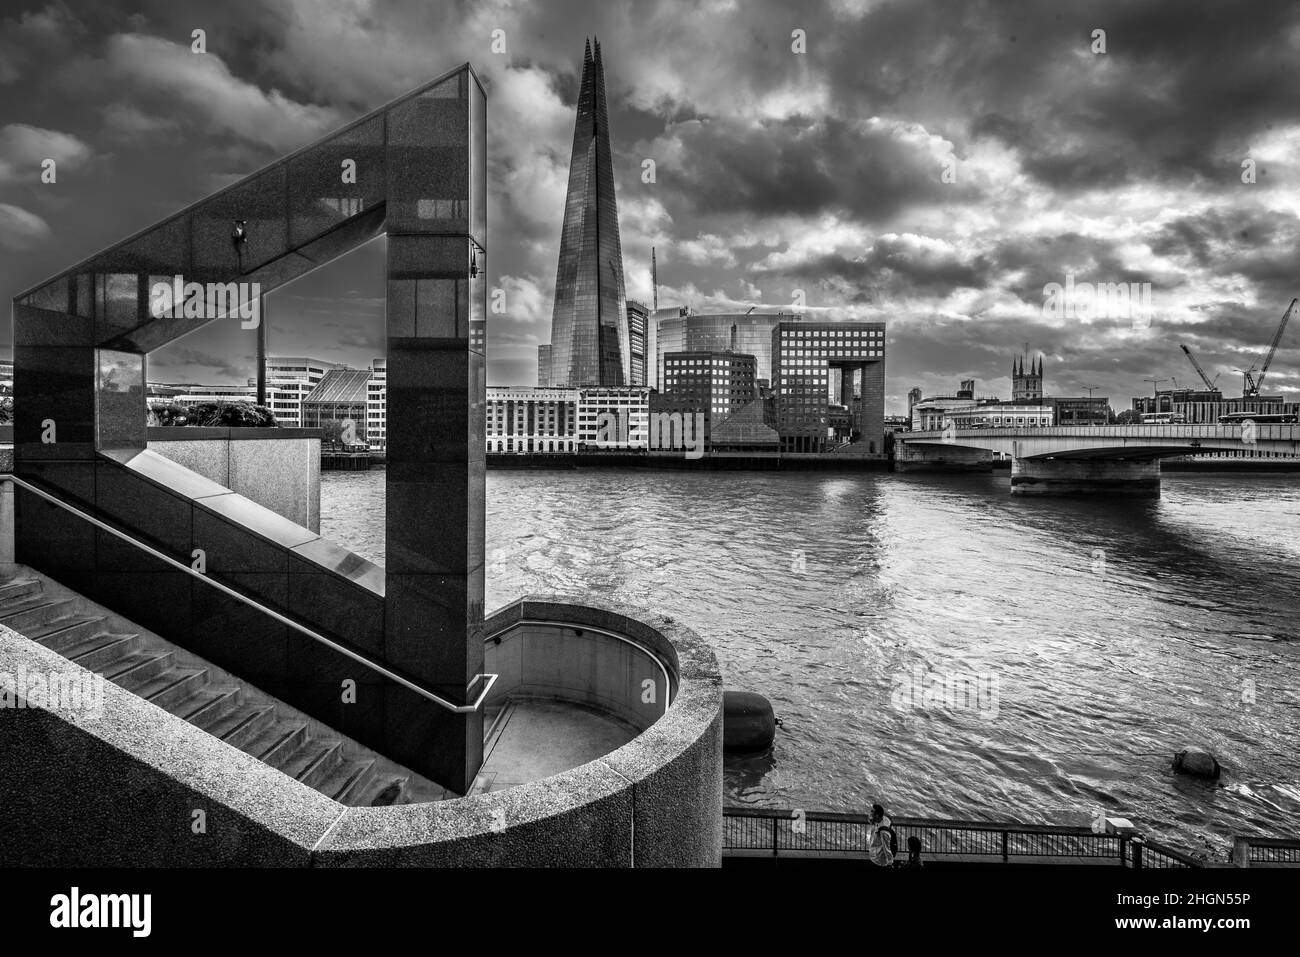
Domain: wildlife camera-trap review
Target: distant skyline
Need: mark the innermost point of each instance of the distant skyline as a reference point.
(774, 170)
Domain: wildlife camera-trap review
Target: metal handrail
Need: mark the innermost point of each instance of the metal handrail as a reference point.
(347, 652)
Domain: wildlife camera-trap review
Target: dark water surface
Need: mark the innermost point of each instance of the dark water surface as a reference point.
(1103, 635)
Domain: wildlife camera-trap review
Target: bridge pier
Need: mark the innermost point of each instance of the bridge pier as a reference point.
(1133, 477)
(909, 457)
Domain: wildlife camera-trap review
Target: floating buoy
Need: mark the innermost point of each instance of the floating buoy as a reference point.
(748, 723)
(1198, 763)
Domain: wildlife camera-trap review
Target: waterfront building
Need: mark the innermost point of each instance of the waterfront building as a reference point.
(682, 330)
(1079, 410)
(715, 383)
(589, 328)
(638, 322)
(341, 396)
(994, 415)
(747, 430)
(522, 419)
(377, 404)
(815, 360)
(289, 380)
(1204, 407)
(629, 406)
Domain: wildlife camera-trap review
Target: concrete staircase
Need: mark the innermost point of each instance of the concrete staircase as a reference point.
(192, 689)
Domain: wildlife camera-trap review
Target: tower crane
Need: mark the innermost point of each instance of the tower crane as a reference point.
(1251, 385)
(1197, 366)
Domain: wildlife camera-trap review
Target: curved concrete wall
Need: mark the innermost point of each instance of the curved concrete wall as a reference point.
(654, 802)
(587, 665)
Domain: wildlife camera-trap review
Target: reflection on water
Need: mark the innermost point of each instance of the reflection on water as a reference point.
(1112, 633)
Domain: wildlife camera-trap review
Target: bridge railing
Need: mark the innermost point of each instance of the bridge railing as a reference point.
(766, 832)
(1266, 851)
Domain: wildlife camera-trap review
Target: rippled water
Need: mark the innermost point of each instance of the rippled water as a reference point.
(1108, 634)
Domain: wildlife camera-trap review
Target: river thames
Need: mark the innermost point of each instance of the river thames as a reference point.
(1102, 635)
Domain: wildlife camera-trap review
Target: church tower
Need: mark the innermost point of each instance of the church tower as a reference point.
(1027, 386)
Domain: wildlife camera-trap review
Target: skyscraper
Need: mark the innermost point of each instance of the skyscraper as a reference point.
(589, 332)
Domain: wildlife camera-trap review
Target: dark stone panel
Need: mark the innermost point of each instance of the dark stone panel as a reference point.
(156, 599)
(161, 253)
(50, 327)
(429, 404)
(231, 549)
(50, 539)
(314, 681)
(427, 622)
(73, 480)
(56, 384)
(148, 512)
(431, 524)
(336, 607)
(240, 638)
(261, 203)
(440, 744)
(319, 199)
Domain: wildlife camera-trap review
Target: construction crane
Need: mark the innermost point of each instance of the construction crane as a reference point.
(1252, 383)
(1156, 384)
(1197, 366)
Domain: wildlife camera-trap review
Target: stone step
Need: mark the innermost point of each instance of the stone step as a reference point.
(62, 634)
(274, 745)
(347, 779)
(101, 651)
(16, 588)
(242, 725)
(312, 762)
(31, 613)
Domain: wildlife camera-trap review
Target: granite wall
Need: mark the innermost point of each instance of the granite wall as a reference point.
(276, 468)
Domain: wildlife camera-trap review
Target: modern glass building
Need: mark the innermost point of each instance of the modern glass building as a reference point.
(748, 333)
(341, 396)
(589, 335)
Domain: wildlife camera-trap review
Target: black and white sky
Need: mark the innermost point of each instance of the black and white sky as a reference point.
(775, 170)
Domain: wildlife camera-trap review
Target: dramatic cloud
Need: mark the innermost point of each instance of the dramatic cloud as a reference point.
(930, 164)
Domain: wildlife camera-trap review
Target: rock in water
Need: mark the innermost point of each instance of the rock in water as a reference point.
(1194, 761)
(748, 723)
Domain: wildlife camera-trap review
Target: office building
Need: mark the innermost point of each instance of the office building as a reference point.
(626, 408)
(681, 330)
(817, 364)
(520, 419)
(377, 405)
(638, 322)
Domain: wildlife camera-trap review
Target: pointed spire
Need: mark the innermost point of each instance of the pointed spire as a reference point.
(587, 53)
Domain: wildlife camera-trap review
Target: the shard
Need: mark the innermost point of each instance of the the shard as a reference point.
(589, 335)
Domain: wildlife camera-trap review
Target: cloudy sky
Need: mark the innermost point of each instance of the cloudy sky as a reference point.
(931, 164)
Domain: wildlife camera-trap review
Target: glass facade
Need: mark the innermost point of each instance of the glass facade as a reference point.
(721, 332)
(589, 330)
